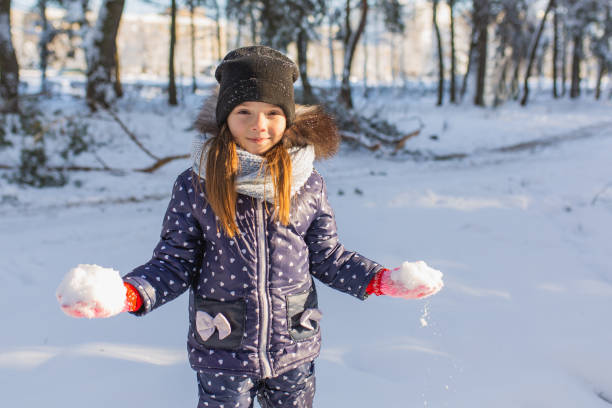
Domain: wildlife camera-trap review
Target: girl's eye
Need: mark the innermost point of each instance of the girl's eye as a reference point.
(274, 113)
(243, 112)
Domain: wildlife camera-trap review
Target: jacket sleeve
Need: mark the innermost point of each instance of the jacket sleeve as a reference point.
(176, 258)
(330, 262)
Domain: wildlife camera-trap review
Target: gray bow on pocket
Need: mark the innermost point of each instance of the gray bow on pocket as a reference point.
(206, 325)
(308, 315)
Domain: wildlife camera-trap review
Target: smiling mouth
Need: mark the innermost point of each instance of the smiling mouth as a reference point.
(259, 139)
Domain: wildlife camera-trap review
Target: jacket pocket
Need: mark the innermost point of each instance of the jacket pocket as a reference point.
(303, 315)
(218, 324)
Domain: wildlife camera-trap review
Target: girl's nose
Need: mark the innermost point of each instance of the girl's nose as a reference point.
(261, 123)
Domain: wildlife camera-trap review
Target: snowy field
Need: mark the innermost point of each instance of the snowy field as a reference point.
(522, 231)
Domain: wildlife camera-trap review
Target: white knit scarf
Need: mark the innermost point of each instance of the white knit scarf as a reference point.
(250, 179)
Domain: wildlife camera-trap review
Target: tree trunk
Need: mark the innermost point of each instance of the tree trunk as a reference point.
(347, 23)
(470, 61)
(102, 61)
(402, 58)
(514, 82)
(481, 11)
(600, 75)
(218, 27)
(534, 49)
(453, 85)
(116, 75)
(239, 25)
(365, 63)
(555, 56)
(9, 68)
(171, 80)
(501, 93)
(440, 55)
(332, 59)
(576, 59)
(253, 25)
(349, 53)
(308, 97)
(43, 45)
(194, 85)
(564, 62)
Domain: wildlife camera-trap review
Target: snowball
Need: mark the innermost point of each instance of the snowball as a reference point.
(91, 291)
(412, 275)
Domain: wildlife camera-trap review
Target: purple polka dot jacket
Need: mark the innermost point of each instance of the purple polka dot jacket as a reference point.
(252, 300)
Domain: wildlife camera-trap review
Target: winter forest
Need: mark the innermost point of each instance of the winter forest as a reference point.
(485, 53)
(476, 135)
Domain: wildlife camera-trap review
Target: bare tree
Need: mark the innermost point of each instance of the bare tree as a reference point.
(43, 43)
(481, 20)
(192, 40)
(555, 54)
(551, 4)
(101, 52)
(350, 45)
(440, 54)
(332, 19)
(172, 100)
(9, 68)
(214, 5)
(453, 73)
(577, 55)
(302, 48)
(470, 61)
(565, 45)
(602, 49)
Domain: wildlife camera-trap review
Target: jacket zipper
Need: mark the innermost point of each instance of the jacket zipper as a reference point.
(262, 292)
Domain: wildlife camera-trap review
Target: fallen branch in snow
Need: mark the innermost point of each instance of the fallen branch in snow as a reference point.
(371, 132)
(160, 162)
(361, 140)
(401, 142)
(356, 139)
(603, 190)
(604, 397)
(122, 200)
(131, 135)
(150, 169)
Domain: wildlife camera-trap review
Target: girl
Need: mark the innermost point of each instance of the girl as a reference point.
(248, 226)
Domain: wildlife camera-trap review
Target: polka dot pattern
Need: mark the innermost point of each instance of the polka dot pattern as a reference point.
(294, 388)
(194, 253)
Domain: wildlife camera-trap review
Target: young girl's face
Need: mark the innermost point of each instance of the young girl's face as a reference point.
(257, 126)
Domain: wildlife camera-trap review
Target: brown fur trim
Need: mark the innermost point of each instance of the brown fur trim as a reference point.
(312, 125)
(205, 122)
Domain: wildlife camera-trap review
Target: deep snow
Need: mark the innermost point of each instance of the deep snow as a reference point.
(522, 236)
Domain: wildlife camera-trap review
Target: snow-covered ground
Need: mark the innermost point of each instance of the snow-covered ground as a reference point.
(522, 236)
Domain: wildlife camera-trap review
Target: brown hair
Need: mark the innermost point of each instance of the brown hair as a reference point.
(222, 166)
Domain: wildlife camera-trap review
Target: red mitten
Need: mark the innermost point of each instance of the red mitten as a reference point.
(92, 291)
(413, 280)
(133, 301)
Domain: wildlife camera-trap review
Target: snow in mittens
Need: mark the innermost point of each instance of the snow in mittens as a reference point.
(412, 275)
(87, 287)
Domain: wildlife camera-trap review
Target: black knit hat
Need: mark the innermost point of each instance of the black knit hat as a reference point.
(256, 73)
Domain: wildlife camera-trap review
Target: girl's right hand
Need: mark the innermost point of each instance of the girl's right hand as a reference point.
(94, 292)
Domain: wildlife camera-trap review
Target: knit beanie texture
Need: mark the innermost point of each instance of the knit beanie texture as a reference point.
(256, 73)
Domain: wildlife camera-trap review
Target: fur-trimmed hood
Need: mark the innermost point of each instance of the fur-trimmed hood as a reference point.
(312, 125)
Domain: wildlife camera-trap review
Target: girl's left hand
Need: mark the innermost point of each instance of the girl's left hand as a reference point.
(413, 280)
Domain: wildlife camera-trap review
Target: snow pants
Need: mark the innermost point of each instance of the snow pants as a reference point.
(293, 389)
